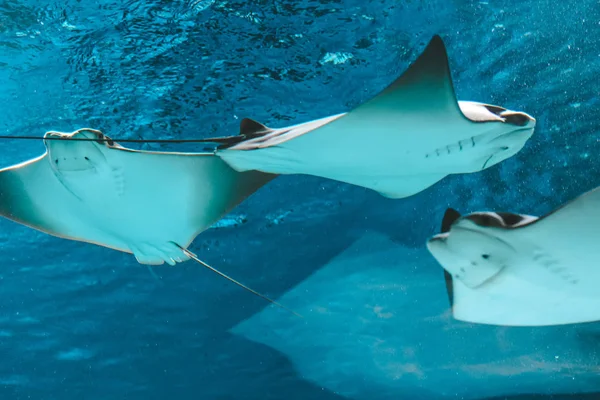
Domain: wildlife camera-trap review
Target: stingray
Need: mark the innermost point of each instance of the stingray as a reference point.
(150, 204)
(520, 270)
(402, 141)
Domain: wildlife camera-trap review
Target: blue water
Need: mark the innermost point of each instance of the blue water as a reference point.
(78, 321)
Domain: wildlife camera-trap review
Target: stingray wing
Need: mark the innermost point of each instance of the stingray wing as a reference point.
(425, 90)
(566, 240)
(568, 235)
(31, 195)
(138, 202)
(380, 145)
(510, 300)
(17, 202)
(174, 195)
(578, 216)
(555, 278)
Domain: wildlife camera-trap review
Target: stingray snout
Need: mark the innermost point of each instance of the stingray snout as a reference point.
(53, 135)
(67, 153)
(437, 244)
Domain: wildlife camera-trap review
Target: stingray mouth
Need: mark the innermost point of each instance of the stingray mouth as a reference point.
(506, 145)
(513, 135)
(499, 154)
(67, 166)
(71, 164)
(72, 156)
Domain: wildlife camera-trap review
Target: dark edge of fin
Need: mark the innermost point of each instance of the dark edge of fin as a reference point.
(450, 216)
(249, 129)
(432, 65)
(195, 258)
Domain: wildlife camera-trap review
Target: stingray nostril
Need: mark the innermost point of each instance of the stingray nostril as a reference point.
(87, 158)
(504, 147)
(56, 161)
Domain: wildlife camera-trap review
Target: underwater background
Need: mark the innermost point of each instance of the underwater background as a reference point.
(79, 321)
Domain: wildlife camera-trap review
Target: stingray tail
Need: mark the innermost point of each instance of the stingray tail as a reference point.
(199, 261)
(152, 273)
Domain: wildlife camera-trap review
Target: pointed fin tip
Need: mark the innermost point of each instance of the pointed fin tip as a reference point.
(436, 44)
(251, 128)
(437, 39)
(429, 77)
(435, 57)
